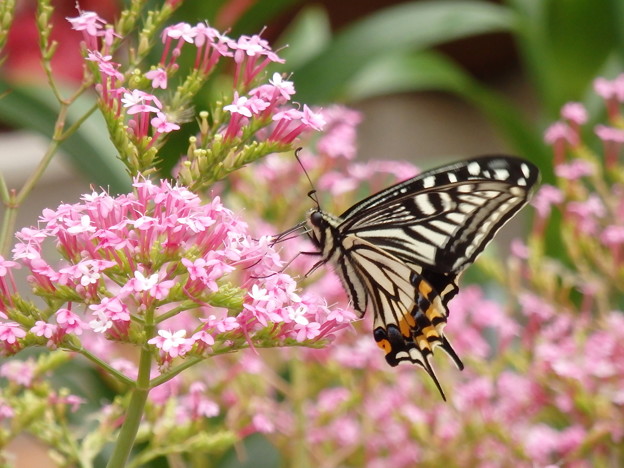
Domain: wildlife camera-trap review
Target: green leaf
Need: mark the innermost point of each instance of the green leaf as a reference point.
(564, 44)
(414, 25)
(88, 149)
(306, 36)
(261, 14)
(404, 71)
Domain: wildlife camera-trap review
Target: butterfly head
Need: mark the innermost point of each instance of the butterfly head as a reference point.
(323, 230)
(317, 227)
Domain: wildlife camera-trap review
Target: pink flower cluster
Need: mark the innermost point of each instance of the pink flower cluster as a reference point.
(543, 378)
(592, 210)
(157, 254)
(250, 108)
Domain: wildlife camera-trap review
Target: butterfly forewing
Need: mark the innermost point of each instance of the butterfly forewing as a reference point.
(401, 250)
(442, 219)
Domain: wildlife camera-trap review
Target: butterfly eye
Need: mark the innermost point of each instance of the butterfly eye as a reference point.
(316, 218)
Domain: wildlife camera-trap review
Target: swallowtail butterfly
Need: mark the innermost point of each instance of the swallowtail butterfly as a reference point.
(400, 252)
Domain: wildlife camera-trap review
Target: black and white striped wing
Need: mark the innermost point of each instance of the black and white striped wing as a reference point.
(400, 251)
(443, 219)
(409, 315)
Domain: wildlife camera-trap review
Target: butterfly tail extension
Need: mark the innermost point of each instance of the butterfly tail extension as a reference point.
(400, 348)
(448, 349)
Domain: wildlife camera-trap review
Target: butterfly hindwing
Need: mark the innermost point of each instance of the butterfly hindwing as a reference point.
(409, 314)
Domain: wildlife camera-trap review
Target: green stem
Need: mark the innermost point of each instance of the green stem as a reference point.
(130, 427)
(161, 379)
(8, 220)
(299, 384)
(103, 364)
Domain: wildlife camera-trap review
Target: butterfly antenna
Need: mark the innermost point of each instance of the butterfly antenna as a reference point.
(311, 193)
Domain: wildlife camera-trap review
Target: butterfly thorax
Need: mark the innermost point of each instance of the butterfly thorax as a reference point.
(325, 233)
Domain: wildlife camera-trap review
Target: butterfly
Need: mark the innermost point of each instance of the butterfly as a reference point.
(400, 252)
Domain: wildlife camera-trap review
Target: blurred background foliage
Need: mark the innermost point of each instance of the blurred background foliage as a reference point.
(338, 52)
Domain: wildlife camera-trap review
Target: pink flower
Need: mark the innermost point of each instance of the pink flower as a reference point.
(313, 120)
(238, 106)
(182, 31)
(162, 125)
(203, 338)
(307, 331)
(560, 132)
(19, 372)
(172, 344)
(89, 22)
(10, 332)
(285, 88)
(69, 322)
(561, 136)
(6, 411)
(613, 235)
(535, 306)
(73, 401)
(519, 249)
(545, 198)
(541, 442)
(6, 266)
(574, 170)
(574, 112)
(111, 311)
(46, 330)
(611, 134)
(136, 101)
(587, 212)
(612, 138)
(158, 77)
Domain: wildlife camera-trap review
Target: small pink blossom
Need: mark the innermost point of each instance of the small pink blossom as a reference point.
(89, 22)
(613, 235)
(19, 372)
(238, 106)
(574, 112)
(182, 31)
(587, 213)
(6, 266)
(519, 249)
(204, 338)
(307, 331)
(612, 134)
(73, 401)
(560, 132)
(10, 332)
(158, 76)
(612, 138)
(283, 87)
(69, 322)
(142, 283)
(575, 169)
(173, 344)
(6, 411)
(545, 198)
(136, 101)
(46, 330)
(162, 124)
